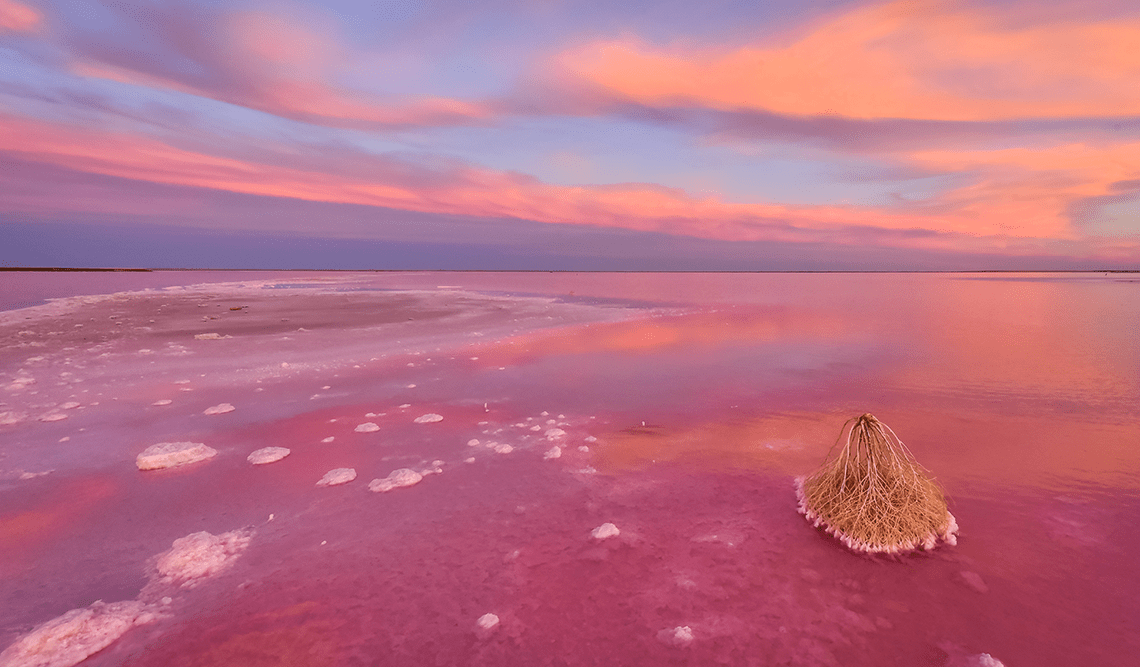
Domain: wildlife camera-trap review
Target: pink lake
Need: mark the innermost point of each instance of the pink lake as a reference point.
(682, 405)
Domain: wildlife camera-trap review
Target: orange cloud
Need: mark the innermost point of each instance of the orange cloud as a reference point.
(925, 60)
(15, 17)
(977, 211)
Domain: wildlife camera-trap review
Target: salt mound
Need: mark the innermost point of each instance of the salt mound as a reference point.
(337, 476)
(428, 418)
(267, 455)
(193, 558)
(605, 530)
(367, 427)
(552, 453)
(170, 454)
(555, 433)
(69, 639)
(219, 409)
(397, 478)
(162, 401)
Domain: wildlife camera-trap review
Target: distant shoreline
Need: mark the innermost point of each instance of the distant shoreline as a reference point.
(68, 269)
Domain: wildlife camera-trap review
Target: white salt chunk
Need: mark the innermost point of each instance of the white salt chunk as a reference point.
(986, 660)
(680, 636)
(473, 442)
(329, 439)
(504, 449)
(337, 476)
(555, 433)
(209, 336)
(53, 417)
(552, 453)
(405, 406)
(198, 556)
(591, 438)
(411, 386)
(267, 455)
(583, 448)
(428, 418)
(396, 479)
(170, 454)
(536, 427)
(469, 459)
(367, 427)
(162, 401)
(605, 530)
(65, 438)
(69, 639)
(70, 405)
(487, 621)
(327, 387)
(219, 409)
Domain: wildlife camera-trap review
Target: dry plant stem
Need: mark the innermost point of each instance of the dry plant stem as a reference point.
(874, 496)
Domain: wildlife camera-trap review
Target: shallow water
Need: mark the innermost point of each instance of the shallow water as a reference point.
(687, 403)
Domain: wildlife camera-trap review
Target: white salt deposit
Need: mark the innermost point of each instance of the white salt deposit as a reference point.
(552, 453)
(583, 448)
(605, 530)
(162, 401)
(590, 438)
(367, 427)
(536, 427)
(473, 442)
(53, 417)
(986, 660)
(329, 439)
(469, 459)
(218, 409)
(504, 449)
(555, 433)
(170, 454)
(337, 476)
(198, 556)
(70, 405)
(396, 479)
(69, 639)
(680, 636)
(487, 621)
(428, 418)
(210, 336)
(10, 417)
(267, 455)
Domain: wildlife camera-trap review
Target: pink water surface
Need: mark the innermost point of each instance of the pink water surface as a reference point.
(696, 398)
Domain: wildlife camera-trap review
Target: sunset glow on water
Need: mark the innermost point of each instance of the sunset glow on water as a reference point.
(681, 407)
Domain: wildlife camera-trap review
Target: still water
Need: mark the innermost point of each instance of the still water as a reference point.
(680, 405)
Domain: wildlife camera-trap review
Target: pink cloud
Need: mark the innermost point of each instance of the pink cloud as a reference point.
(16, 17)
(927, 60)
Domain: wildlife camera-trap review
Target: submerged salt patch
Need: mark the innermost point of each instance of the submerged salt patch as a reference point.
(337, 476)
(69, 639)
(428, 418)
(487, 622)
(170, 454)
(605, 530)
(395, 479)
(53, 417)
(267, 455)
(367, 427)
(10, 417)
(218, 409)
(200, 555)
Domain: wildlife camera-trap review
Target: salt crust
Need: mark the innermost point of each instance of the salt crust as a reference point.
(210, 336)
(69, 639)
(170, 454)
(267, 455)
(605, 530)
(428, 418)
(487, 621)
(949, 536)
(193, 558)
(367, 427)
(396, 479)
(219, 409)
(337, 476)
(53, 417)
(552, 453)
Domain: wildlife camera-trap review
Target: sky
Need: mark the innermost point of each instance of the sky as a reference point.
(571, 135)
